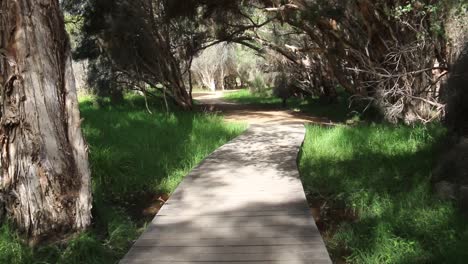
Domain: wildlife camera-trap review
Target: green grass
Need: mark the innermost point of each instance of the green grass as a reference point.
(380, 174)
(244, 96)
(153, 152)
(132, 154)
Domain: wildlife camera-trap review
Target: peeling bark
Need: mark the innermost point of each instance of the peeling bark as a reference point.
(45, 176)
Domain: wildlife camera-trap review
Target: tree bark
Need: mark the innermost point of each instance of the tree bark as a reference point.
(45, 175)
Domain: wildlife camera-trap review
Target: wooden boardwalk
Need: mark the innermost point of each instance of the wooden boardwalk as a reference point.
(243, 204)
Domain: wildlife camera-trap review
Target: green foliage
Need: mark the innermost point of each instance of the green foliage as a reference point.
(11, 249)
(248, 65)
(436, 11)
(258, 85)
(131, 152)
(73, 24)
(403, 10)
(382, 173)
(86, 248)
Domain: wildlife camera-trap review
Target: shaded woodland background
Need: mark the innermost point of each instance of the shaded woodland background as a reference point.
(392, 56)
(388, 178)
(393, 61)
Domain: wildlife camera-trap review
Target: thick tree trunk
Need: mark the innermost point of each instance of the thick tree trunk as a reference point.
(45, 176)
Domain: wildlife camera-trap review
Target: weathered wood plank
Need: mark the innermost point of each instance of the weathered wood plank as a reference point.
(221, 221)
(154, 261)
(186, 213)
(197, 249)
(221, 208)
(221, 232)
(232, 242)
(267, 256)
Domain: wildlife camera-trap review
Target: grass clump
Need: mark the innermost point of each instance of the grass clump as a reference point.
(380, 174)
(11, 249)
(134, 156)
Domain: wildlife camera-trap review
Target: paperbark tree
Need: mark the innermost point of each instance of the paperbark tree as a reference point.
(45, 175)
(213, 64)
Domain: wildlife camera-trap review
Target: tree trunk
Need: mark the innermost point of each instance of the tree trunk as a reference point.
(45, 176)
(208, 80)
(219, 80)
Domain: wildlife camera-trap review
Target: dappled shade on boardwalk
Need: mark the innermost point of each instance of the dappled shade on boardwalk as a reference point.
(244, 203)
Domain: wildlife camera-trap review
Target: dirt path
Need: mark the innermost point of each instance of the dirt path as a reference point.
(252, 114)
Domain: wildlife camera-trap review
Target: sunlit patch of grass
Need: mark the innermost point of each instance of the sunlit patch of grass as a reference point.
(337, 111)
(382, 173)
(244, 96)
(132, 152)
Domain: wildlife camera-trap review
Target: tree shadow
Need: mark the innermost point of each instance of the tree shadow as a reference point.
(281, 232)
(455, 95)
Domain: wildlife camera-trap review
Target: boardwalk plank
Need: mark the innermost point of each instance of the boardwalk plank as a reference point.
(220, 232)
(267, 256)
(232, 242)
(154, 261)
(145, 250)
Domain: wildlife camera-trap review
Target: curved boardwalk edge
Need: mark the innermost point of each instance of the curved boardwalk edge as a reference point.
(243, 204)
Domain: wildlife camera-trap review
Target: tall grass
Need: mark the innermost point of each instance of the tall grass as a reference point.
(132, 150)
(381, 173)
(132, 153)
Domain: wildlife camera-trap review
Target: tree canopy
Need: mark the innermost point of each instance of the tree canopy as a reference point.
(391, 55)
